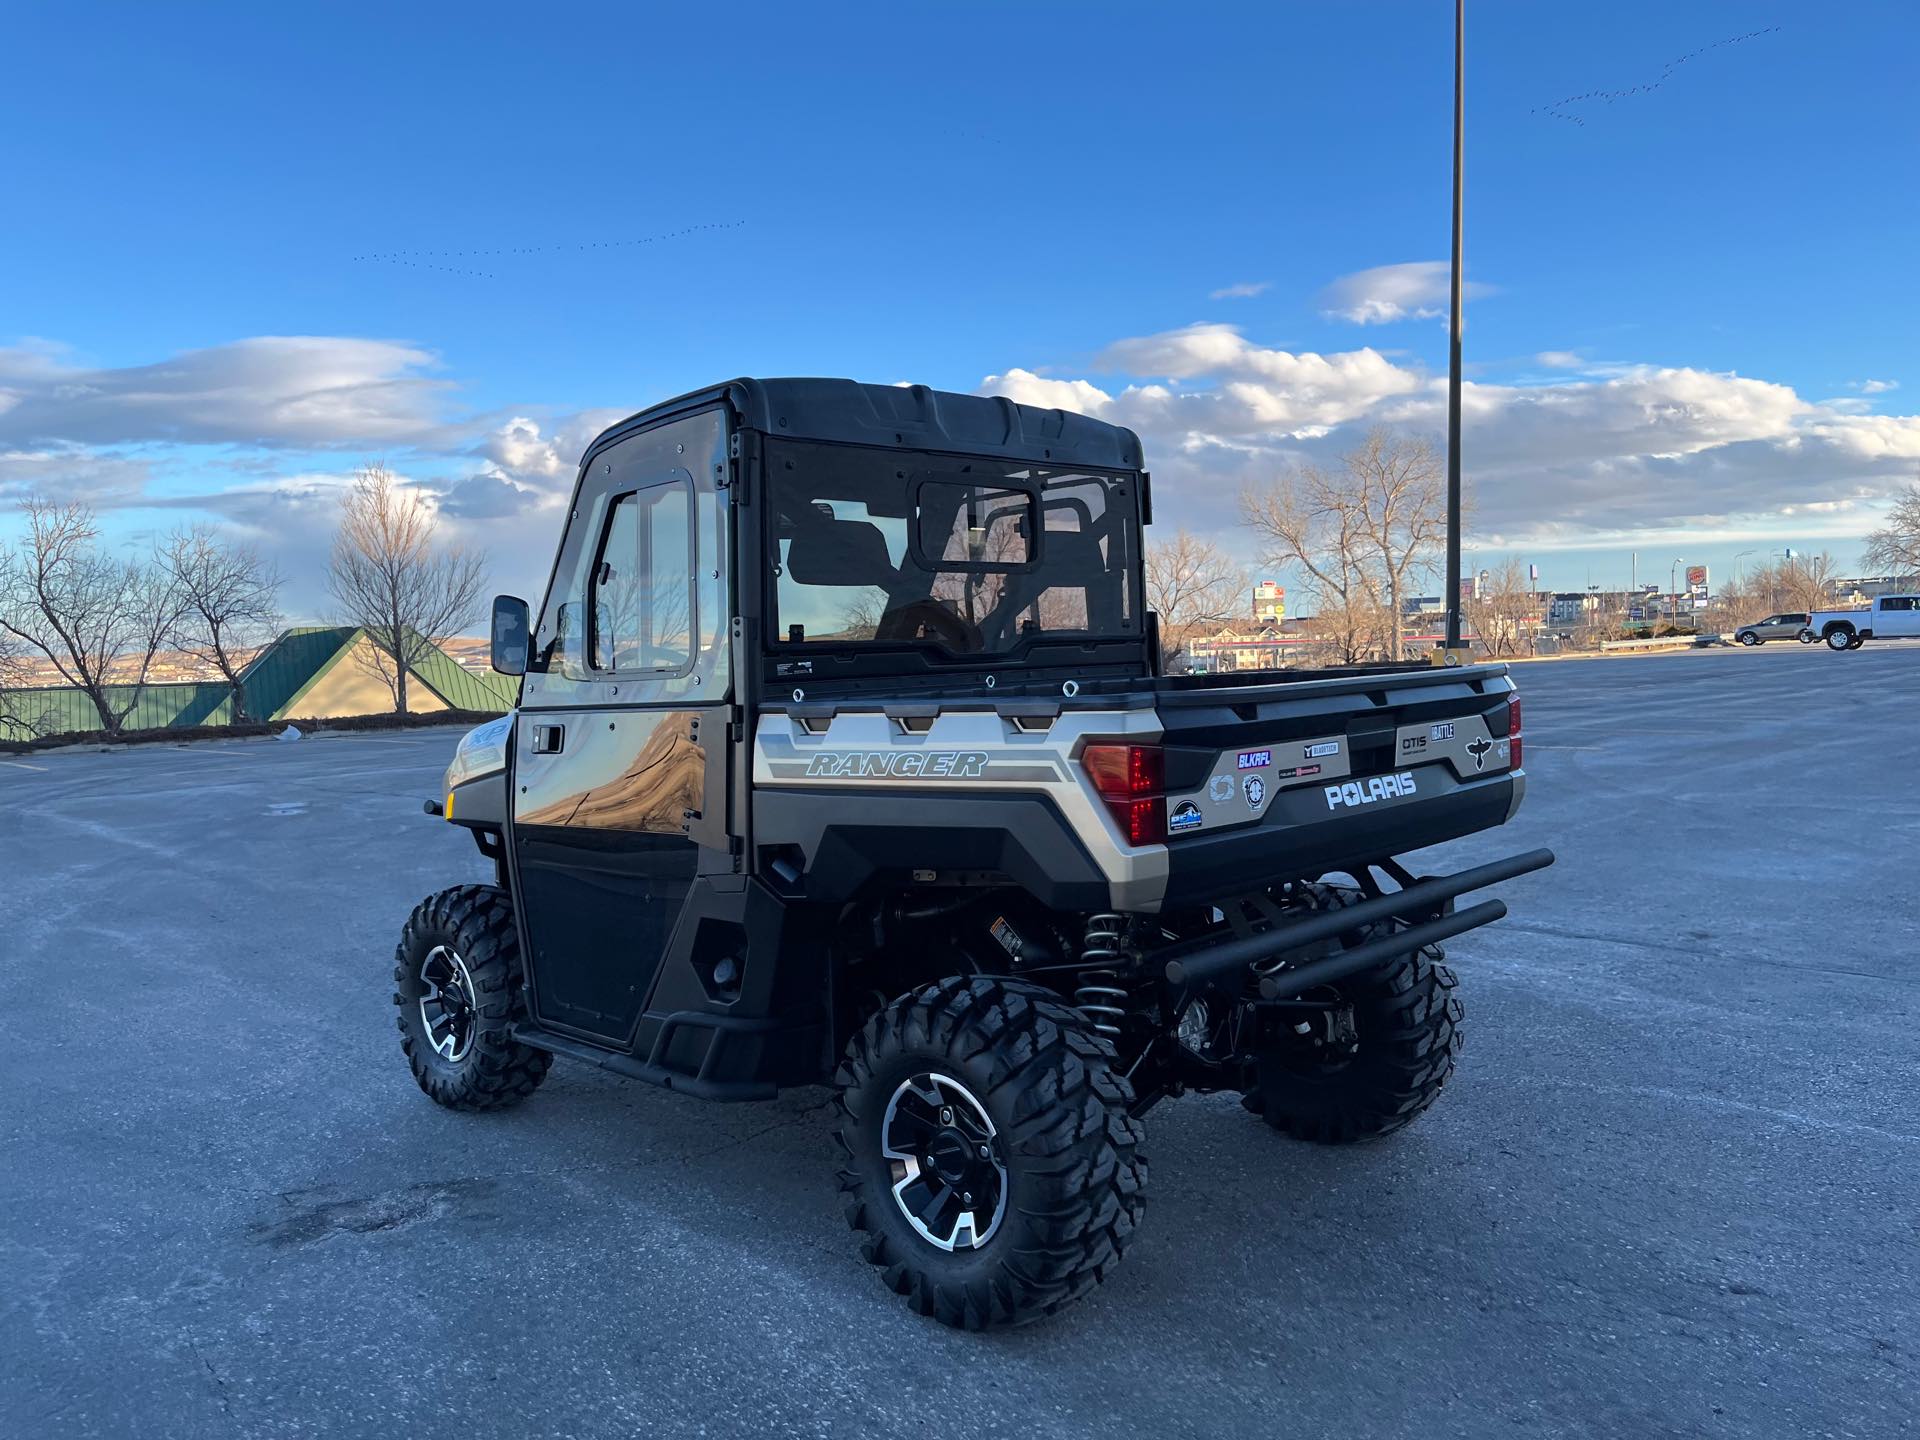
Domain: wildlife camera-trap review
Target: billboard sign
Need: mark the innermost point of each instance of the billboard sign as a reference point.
(1696, 579)
(1269, 601)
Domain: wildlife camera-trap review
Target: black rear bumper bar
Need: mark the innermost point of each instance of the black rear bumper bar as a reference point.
(1421, 909)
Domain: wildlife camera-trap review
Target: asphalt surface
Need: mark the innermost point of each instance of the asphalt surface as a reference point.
(1672, 1190)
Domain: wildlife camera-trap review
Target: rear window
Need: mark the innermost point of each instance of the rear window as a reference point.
(967, 556)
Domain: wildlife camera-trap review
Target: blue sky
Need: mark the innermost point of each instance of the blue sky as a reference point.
(1694, 333)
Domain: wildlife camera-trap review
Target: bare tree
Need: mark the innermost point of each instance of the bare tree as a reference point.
(1192, 584)
(1894, 549)
(16, 675)
(390, 578)
(1364, 533)
(97, 620)
(1505, 610)
(228, 600)
(1806, 581)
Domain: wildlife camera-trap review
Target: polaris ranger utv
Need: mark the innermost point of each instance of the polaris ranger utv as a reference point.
(843, 758)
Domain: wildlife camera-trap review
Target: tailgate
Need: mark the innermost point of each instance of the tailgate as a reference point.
(1271, 782)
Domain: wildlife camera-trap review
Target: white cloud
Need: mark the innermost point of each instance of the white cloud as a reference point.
(1615, 451)
(1873, 387)
(286, 391)
(1244, 290)
(1415, 290)
(1558, 360)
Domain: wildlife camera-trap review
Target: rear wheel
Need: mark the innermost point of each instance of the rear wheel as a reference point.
(1747, 637)
(456, 982)
(994, 1172)
(1375, 1075)
(1840, 638)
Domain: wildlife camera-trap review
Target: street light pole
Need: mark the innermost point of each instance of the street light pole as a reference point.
(1453, 347)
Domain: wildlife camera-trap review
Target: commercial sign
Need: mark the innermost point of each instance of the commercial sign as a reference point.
(1269, 601)
(1696, 579)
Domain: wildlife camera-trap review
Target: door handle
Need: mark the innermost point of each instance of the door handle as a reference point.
(549, 739)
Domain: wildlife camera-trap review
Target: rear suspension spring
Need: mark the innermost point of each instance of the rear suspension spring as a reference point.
(1099, 996)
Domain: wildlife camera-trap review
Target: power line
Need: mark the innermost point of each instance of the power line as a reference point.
(1558, 109)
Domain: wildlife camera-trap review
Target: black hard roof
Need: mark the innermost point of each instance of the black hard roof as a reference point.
(913, 417)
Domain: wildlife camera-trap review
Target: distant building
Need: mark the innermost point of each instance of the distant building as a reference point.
(1263, 647)
(308, 673)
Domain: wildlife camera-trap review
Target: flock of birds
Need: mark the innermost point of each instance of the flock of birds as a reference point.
(434, 259)
(1559, 111)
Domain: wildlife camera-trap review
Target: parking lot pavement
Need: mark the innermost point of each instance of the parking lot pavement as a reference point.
(1671, 1191)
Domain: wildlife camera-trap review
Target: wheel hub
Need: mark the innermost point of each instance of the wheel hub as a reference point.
(449, 1008)
(948, 1162)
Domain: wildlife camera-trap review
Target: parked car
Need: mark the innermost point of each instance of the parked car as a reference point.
(1888, 617)
(1775, 627)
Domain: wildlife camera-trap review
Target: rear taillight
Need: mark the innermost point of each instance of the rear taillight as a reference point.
(1130, 779)
(1120, 771)
(1513, 731)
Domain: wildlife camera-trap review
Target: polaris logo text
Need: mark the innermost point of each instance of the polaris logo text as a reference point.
(1371, 790)
(899, 764)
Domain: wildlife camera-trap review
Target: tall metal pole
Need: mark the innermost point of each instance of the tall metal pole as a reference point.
(1453, 348)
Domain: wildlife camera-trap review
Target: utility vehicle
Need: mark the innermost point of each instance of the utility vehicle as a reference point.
(843, 757)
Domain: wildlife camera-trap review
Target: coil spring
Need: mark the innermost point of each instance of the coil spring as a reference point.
(1097, 996)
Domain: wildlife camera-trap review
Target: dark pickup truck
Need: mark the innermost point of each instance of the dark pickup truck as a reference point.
(843, 757)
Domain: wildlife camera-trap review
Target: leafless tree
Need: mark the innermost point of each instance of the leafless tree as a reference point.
(1894, 549)
(99, 621)
(228, 600)
(15, 677)
(388, 576)
(1505, 610)
(1364, 533)
(1806, 581)
(1193, 585)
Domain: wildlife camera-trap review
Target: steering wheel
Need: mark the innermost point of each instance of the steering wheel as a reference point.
(930, 620)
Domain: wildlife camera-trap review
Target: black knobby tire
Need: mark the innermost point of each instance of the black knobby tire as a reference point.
(1075, 1179)
(492, 1070)
(1407, 1025)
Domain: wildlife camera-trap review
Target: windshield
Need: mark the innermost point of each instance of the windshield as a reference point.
(971, 556)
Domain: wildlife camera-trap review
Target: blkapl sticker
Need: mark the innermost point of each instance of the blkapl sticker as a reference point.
(1255, 759)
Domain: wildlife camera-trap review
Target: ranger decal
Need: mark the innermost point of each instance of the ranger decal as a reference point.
(899, 764)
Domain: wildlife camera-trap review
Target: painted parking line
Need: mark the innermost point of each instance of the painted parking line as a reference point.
(22, 765)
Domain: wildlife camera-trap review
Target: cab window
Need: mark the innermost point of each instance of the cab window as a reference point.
(640, 601)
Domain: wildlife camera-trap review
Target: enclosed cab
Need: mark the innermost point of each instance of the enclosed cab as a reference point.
(843, 756)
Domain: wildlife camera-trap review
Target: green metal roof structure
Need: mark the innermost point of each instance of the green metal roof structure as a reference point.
(276, 681)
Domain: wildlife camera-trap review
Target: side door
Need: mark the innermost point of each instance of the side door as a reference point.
(1901, 616)
(620, 766)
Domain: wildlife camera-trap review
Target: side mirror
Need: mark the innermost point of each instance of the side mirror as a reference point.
(512, 629)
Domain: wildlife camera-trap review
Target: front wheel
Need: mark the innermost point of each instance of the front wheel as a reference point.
(1841, 639)
(456, 981)
(994, 1172)
(1381, 1065)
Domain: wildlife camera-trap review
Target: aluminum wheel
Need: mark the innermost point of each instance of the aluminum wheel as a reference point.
(448, 1007)
(949, 1163)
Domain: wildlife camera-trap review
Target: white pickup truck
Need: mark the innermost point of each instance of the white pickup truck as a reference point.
(1887, 617)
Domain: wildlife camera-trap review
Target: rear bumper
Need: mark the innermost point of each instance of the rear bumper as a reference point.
(1421, 914)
